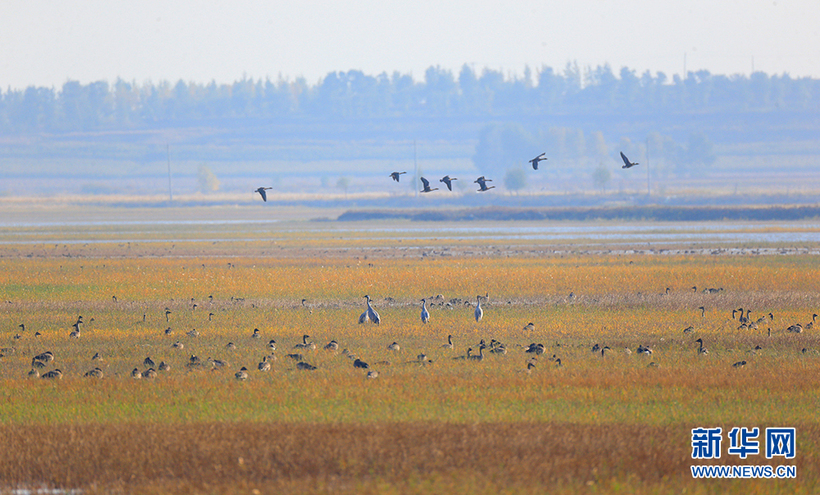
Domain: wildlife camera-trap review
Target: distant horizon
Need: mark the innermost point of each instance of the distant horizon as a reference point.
(508, 76)
(46, 44)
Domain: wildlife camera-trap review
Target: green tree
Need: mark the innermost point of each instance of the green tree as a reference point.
(515, 179)
(208, 182)
(601, 176)
(343, 183)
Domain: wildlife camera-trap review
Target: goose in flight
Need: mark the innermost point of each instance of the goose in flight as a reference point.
(426, 184)
(448, 181)
(396, 175)
(627, 163)
(537, 159)
(481, 181)
(262, 192)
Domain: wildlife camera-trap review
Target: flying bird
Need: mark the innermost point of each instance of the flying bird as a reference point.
(397, 175)
(627, 163)
(481, 181)
(537, 159)
(262, 192)
(448, 181)
(426, 184)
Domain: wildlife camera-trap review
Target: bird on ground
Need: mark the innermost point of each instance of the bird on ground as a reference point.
(305, 344)
(135, 374)
(537, 159)
(242, 374)
(301, 365)
(448, 181)
(480, 357)
(371, 313)
(264, 365)
(36, 374)
(261, 191)
(148, 362)
(256, 334)
(394, 347)
(45, 357)
(702, 311)
(529, 326)
(739, 364)
(702, 350)
(396, 175)
(627, 163)
(163, 366)
(332, 346)
(449, 344)
(426, 186)
(479, 313)
(53, 374)
(372, 374)
(482, 184)
(358, 363)
(178, 345)
(425, 315)
(95, 373)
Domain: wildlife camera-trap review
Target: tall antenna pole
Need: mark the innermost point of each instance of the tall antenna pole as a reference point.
(415, 171)
(168, 152)
(648, 184)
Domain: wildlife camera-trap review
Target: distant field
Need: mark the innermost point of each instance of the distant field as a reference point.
(618, 422)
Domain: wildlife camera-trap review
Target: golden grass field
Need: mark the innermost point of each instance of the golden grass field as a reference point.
(598, 424)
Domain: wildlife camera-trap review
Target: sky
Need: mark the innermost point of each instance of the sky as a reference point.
(46, 43)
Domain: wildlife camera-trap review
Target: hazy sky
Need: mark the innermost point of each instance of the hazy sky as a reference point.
(46, 42)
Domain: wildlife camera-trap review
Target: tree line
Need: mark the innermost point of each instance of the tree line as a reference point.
(468, 94)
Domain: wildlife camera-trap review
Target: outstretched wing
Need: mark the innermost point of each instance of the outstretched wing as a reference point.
(625, 159)
(262, 193)
(425, 182)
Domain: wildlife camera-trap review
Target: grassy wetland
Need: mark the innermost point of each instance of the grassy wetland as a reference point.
(616, 421)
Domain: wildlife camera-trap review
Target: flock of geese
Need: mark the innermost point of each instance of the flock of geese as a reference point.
(494, 347)
(448, 181)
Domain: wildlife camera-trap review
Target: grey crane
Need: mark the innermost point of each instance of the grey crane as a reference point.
(425, 315)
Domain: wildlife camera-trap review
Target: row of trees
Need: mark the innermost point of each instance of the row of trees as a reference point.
(353, 94)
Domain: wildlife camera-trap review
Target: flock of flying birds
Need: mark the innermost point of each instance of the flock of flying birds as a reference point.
(448, 181)
(481, 181)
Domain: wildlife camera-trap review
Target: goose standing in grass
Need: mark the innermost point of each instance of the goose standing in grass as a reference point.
(449, 344)
(261, 191)
(371, 313)
(332, 346)
(264, 365)
(135, 374)
(702, 350)
(539, 158)
(480, 356)
(256, 334)
(448, 181)
(479, 313)
(425, 315)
